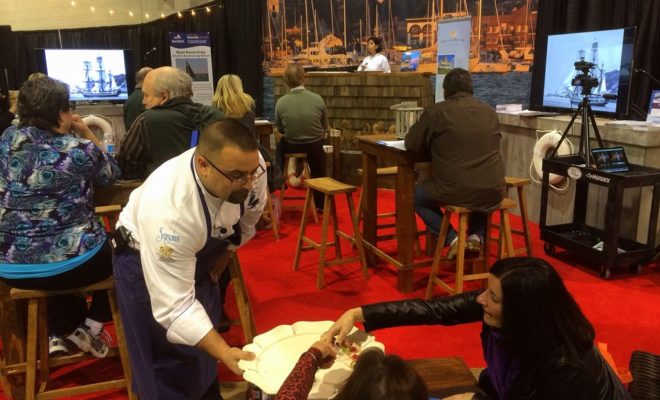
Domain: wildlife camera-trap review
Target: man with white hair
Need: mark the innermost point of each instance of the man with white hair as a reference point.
(165, 129)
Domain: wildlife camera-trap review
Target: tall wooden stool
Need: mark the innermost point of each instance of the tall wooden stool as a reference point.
(477, 273)
(37, 342)
(330, 187)
(269, 214)
(246, 317)
(519, 184)
(288, 159)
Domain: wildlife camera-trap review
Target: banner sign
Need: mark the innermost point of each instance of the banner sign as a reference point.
(453, 49)
(191, 52)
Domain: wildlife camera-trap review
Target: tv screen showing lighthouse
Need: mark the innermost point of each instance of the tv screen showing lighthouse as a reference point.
(92, 75)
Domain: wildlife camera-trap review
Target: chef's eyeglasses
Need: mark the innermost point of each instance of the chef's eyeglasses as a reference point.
(239, 177)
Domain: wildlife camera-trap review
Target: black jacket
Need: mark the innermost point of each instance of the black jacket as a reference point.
(550, 378)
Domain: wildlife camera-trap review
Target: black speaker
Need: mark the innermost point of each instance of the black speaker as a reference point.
(7, 48)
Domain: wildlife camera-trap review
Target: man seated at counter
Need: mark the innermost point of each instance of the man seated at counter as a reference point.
(165, 129)
(461, 136)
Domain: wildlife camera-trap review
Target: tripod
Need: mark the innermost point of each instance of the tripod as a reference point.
(588, 121)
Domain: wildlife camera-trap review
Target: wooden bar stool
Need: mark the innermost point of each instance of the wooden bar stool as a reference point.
(330, 187)
(482, 261)
(269, 213)
(306, 170)
(37, 358)
(519, 184)
(245, 315)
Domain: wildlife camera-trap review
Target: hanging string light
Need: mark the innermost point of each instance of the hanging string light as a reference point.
(193, 11)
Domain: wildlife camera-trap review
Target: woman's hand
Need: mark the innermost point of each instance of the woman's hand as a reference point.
(79, 128)
(343, 326)
(328, 353)
(233, 356)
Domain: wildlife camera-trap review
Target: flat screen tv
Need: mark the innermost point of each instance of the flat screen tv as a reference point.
(565, 64)
(92, 74)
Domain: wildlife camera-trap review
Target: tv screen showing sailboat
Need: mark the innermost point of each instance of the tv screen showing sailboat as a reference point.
(598, 61)
(92, 75)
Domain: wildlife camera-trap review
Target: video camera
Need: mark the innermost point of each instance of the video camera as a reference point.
(584, 79)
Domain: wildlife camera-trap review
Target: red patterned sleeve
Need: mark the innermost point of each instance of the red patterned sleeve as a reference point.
(299, 382)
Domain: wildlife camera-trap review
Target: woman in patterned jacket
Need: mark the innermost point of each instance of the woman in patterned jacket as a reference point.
(50, 238)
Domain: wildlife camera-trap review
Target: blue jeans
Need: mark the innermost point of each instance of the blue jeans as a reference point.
(429, 211)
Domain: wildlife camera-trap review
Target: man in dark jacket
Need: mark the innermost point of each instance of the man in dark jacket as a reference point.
(165, 129)
(461, 135)
(133, 106)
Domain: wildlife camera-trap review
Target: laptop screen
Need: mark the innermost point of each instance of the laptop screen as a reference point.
(610, 159)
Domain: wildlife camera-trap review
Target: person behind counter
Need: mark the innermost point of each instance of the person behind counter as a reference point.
(50, 238)
(537, 343)
(375, 61)
(375, 376)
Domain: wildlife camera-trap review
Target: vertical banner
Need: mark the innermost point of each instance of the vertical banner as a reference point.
(453, 49)
(191, 52)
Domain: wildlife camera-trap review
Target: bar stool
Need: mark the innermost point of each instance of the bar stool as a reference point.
(269, 213)
(330, 187)
(519, 184)
(246, 317)
(306, 170)
(37, 341)
(477, 273)
(380, 173)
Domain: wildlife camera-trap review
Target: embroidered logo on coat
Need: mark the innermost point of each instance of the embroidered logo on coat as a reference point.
(166, 237)
(165, 252)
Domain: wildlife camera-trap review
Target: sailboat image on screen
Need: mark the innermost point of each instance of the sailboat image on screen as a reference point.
(101, 85)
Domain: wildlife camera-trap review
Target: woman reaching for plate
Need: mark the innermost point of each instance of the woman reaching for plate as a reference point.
(537, 343)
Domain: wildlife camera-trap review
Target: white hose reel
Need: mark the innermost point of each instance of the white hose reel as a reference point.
(543, 146)
(101, 123)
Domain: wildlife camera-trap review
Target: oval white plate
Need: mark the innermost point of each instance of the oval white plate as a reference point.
(278, 350)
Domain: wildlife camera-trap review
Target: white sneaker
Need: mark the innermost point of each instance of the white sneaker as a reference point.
(57, 346)
(86, 341)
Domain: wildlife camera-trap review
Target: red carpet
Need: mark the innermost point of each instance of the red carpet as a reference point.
(623, 309)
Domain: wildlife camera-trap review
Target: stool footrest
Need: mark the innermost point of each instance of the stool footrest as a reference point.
(92, 387)
(20, 294)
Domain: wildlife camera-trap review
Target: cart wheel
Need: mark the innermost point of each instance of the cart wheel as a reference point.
(604, 272)
(549, 248)
(635, 268)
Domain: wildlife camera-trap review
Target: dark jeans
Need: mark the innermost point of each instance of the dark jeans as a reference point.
(429, 211)
(67, 312)
(315, 159)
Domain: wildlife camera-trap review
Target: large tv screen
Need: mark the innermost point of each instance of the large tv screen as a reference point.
(566, 64)
(92, 75)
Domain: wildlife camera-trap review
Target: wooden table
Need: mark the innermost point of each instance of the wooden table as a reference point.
(116, 194)
(445, 376)
(373, 151)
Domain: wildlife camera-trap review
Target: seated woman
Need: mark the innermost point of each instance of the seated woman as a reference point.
(537, 343)
(230, 98)
(375, 60)
(376, 376)
(50, 238)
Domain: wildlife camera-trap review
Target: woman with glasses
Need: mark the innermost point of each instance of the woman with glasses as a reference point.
(50, 238)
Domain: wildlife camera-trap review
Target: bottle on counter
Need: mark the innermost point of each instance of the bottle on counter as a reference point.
(109, 142)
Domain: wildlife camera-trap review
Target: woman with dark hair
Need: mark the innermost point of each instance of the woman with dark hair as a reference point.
(6, 113)
(537, 343)
(50, 238)
(375, 60)
(376, 376)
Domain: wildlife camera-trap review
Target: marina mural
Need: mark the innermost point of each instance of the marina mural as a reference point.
(332, 34)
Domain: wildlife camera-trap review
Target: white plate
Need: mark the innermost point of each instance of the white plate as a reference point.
(278, 350)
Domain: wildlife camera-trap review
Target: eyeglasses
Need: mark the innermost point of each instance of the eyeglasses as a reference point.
(243, 178)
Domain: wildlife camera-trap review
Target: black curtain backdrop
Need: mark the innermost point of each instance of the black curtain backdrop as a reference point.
(564, 16)
(234, 27)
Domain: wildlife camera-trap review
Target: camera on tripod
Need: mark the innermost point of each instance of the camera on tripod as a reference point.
(584, 79)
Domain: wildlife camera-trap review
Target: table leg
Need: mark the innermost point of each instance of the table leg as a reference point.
(406, 227)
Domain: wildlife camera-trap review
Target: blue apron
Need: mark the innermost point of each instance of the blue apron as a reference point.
(163, 370)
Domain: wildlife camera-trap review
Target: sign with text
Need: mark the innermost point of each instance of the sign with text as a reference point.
(453, 49)
(191, 52)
